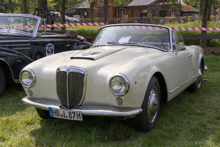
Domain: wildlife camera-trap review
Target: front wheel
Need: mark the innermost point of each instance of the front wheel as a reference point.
(151, 105)
(2, 81)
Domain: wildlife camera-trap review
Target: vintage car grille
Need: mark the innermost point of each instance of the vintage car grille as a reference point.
(71, 82)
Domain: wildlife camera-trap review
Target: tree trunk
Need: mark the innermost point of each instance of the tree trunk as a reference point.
(62, 14)
(24, 6)
(105, 10)
(91, 10)
(24, 11)
(10, 6)
(204, 20)
(201, 6)
(41, 4)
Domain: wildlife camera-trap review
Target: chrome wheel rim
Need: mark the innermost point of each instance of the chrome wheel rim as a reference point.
(153, 104)
(199, 77)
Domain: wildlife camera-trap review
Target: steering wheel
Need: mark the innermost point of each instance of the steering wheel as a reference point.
(154, 38)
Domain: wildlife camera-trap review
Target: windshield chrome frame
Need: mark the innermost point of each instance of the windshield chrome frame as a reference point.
(37, 25)
(142, 24)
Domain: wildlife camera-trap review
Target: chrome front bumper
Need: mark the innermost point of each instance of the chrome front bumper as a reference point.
(86, 110)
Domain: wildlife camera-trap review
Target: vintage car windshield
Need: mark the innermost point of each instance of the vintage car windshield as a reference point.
(17, 25)
(136, 35)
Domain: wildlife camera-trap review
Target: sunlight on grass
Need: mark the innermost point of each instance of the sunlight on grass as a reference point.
(191, 119)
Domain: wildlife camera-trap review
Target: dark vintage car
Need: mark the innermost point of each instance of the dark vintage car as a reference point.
(22, 41)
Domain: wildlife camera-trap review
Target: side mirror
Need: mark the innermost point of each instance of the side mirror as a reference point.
(181, 46)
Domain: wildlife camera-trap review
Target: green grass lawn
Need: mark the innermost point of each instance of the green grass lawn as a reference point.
(191, 119)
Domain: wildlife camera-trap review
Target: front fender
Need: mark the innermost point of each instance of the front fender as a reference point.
(13, 62)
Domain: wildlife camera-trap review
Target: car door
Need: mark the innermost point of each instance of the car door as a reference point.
(184, 61)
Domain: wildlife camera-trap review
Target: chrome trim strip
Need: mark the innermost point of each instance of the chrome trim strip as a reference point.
(182, 85)
(54, 35)
(69, 69)
(15, 45)
(67, 89)
(53, 40)
(14, 41)
(86, 110)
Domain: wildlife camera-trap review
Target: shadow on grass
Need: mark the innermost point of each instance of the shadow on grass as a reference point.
(91, 130)
(10, 102)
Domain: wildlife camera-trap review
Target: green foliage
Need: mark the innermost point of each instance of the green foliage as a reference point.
(210, 43)
(212, 17)
(171, 20)
(190, 19)
(193, 3)
(99, 19)
(4, 8)
(133, 19)
(83, 32)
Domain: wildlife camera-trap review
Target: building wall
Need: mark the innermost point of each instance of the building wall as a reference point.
(152, 10)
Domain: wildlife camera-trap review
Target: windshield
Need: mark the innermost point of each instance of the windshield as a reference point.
(17, 25)
(148, 36)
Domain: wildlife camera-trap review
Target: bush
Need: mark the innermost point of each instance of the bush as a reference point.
(133, 19)
(156, 20)
(171, 20)
(99, 20)
(212, 17)
(190, 19)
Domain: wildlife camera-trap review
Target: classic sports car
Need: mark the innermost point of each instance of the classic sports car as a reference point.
(127, 72)
(21, 43)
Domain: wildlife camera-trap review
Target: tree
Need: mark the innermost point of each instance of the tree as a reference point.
(204, 11)
(105, 10)
(62, 14)
(10, 6)
(92, 4)
(24, 6)
(41, 4)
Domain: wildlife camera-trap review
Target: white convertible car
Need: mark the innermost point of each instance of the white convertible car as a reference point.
(129, 70)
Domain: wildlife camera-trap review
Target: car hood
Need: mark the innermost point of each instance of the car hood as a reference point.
(98, 57)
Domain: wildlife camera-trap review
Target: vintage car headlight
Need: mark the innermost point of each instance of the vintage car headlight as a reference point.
(27, 78)
(119, 85)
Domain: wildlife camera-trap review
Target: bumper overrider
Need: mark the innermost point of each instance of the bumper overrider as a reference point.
(45, 104)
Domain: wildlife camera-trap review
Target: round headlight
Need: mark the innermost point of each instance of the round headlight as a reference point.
(119, 85)
(27, 78)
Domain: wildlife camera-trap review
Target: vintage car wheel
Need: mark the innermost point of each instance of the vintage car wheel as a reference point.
(3, 81)
(151, 105)
(43, 113)
(198, 83)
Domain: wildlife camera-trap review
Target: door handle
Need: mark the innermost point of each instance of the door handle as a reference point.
(190, 55)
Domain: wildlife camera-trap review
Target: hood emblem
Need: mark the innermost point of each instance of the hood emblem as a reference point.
(49, 49)
(90, 53)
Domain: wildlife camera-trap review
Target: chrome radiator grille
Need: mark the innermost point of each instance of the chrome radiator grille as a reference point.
(71, 83)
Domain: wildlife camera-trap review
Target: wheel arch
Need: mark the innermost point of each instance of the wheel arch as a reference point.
(7, 69)
(163, 86)
(38, 52)
(203, 64)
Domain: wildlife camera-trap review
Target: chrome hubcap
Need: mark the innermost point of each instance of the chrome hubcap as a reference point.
(199, 77)
(153, 104)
